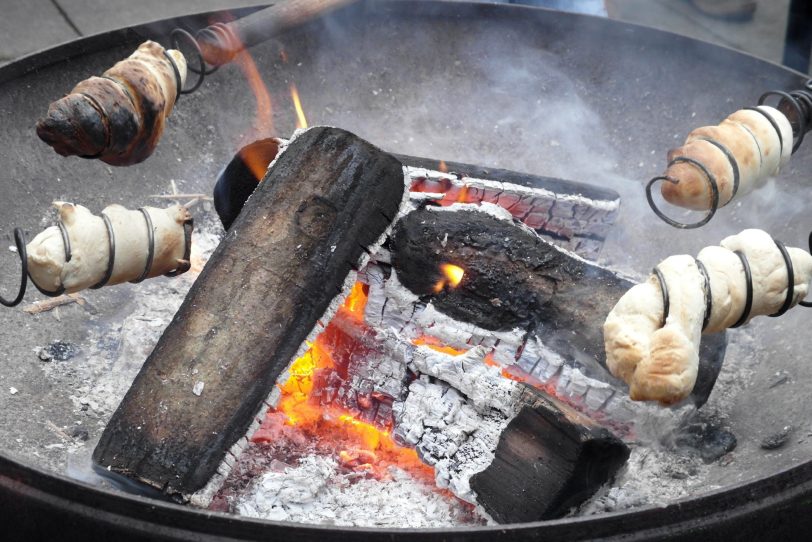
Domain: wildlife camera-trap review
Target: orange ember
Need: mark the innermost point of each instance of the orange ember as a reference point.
(301, 121)
(435, 344)
(358, 445)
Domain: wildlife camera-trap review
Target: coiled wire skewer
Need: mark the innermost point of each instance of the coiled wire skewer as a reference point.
(22, 252)
(748, 281)
(796, 105)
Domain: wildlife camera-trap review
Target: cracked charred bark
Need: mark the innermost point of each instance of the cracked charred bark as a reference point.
(287, 255)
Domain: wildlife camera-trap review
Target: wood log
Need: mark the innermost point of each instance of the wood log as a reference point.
(573, 215)
(513, 278)
(549, 459)
(327, 198)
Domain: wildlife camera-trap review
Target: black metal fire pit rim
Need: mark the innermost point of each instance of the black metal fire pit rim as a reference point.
(35, 499)
(48, 498)
(157, 29)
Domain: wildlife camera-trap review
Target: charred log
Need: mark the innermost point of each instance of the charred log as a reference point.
(241, 177)
(286, 257)
(549, 459)
(514, 279)
(573, 215)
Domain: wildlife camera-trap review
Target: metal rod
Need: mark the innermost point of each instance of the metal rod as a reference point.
(220, 42)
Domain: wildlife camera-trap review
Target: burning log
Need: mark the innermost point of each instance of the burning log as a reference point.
(572, 215)
(324, 201)
(466, 420)
(514, 279)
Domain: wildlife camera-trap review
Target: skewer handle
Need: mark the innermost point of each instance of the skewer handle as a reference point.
(220, 42)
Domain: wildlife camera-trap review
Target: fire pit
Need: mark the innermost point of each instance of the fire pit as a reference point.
(516, 88)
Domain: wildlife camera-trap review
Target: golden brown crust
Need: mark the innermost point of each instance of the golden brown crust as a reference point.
(693, 190)
(131, 102)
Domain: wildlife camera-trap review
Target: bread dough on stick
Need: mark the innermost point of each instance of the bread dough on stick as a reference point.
(120, 116)
(90, 247)
(753, 146)
(660, 361)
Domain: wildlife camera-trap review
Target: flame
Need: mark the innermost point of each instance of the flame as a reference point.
(442, 167)
(263, 123)
(453, 273)
(453, 276)
(356, 444)
(301, 121)
(356, 302)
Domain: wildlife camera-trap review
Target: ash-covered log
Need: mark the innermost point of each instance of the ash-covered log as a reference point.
(511, 278)
(573, 215)
(549, 459)
(328, 198)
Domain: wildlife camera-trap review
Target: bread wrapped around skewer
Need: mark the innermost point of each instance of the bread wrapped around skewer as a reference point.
(120, 116)
(85, 262)
(750, 144)
(659, 360)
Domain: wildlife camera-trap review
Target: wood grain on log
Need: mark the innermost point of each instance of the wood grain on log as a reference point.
(549, 459)
(287, 255)
(513, 278)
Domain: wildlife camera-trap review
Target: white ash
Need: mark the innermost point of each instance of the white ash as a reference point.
(483, 385)
(573, 221)
(651, 477)
(452, 414)
(317, 491)
(451, 435)
(391, 306)
(577, 204)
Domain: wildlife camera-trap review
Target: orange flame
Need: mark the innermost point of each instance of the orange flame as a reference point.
(301, 121)
(453, 276)
(366, 441)
(263, 123)
(442, 167)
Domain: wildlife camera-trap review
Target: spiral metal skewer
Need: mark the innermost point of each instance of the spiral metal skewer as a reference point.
(796, 105)
(748, 280)
(22, 252)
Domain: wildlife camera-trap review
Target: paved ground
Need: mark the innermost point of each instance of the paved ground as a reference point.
(30, 25)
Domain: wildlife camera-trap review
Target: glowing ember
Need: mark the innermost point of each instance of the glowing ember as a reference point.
(453, 276)
(356, 444)
(301, 121)
(512, 372)
(436, 345)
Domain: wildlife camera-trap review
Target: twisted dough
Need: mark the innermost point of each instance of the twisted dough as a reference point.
(90, 252)
(757, 150)
(660, 361)
(120, 116)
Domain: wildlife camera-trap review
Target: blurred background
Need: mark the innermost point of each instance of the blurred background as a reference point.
(776, 30)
